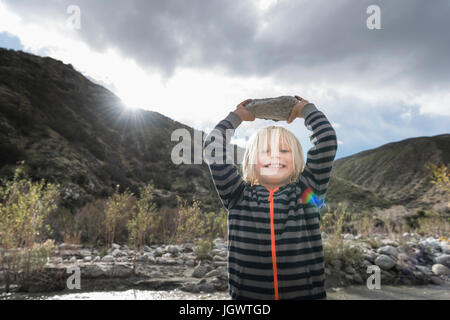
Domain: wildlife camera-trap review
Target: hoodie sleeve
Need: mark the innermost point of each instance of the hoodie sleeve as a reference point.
(225, 174)
(320, 157)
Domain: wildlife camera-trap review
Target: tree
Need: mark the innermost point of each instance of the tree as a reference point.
(144, 218)
(23, 207)
(117, 207)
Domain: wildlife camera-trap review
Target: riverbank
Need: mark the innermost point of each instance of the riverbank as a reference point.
(410, 261)
(353, 292)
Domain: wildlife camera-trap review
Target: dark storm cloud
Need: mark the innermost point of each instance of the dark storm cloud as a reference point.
(306, 40)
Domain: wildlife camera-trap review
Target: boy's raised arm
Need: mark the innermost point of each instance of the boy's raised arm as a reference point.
(225, 173)
(320, 157)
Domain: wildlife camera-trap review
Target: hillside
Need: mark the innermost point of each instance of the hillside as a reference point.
(72, 131)
(393, 174)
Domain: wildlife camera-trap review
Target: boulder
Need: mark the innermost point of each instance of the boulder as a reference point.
(108, 258)
(367, 263)
(440, 269)
(437, 280)
(215, 272)
(388, 250)
(424, 269)
(336, 263)
(443, 259)
(85, 253)
(369, 255)
(219, 252)
(191, 287)
(349, 236)
(207, 287)
(56, 260)
(173, 249)
(122, 270)
(158, 252)
(384, 262)
(200, 271)
(149, 257)
(275, 109)
(116, 253)
(431, 243)
(445, 247)
(95, 270)
(350, 270)
(219, 258)
(65, 253)
(122, 259)
(389, 242)
(357, 278)
(190, 263)
(220, 263)
(188, 247)
(167, 255)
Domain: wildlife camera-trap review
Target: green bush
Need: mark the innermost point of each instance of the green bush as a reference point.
(143, 219)
(39, 254)
(202, 248)
(117, 212)
(90, 220)
(24, 206)
(335, 248)
(190, 223)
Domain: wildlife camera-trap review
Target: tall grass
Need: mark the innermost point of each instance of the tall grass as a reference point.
(124, 218)
(334, 223)
(118, 209)
(23, 208)
(141, 221)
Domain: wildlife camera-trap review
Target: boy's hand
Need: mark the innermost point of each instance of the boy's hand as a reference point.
(297, 110)
(243, 113)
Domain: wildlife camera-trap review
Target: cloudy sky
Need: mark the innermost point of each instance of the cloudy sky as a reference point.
(195, 60)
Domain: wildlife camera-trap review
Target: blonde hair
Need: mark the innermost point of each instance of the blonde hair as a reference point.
(260, 139)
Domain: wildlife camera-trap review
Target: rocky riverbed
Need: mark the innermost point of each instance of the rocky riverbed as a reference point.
(409, 260)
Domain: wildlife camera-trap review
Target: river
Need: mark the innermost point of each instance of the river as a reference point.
(428, 292)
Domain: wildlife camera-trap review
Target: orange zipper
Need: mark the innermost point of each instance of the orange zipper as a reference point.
(272, 238)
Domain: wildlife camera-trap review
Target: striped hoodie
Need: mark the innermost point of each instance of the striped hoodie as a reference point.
(274, 240)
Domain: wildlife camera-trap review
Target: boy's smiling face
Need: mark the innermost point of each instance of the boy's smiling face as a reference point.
(274, 168)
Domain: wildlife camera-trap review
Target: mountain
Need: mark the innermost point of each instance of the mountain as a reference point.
(392, 174)
(73, 131)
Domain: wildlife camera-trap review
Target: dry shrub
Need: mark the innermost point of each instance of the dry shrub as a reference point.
(119, 208)
(91, 222)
